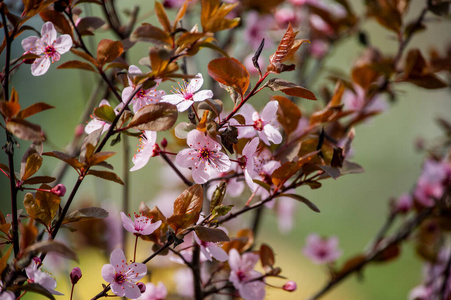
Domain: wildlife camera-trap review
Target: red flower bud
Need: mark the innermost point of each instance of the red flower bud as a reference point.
(290, 286)
(141, 286)
(75, 275)
(59, 190)
(156, 150)
(164, 143)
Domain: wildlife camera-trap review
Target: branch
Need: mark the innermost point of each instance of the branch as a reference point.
(402, 234)
(176, 170)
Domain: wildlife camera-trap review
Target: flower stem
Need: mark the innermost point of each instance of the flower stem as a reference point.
(136, 246)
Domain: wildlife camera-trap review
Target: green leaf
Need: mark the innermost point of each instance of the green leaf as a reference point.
(263, 185)
(213, 235)
(105, 113)
(303, 200)
(221, 210)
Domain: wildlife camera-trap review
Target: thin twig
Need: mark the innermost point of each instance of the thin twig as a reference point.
(176, 170)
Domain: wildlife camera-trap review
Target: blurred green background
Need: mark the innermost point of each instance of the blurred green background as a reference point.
(353, 207)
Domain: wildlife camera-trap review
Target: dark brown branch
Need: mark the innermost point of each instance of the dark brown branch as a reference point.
(176, 170)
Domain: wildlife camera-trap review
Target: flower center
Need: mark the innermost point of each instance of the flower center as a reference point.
(258, 124)
(119, 278)
(50, 51)
(241, 275)
(204, 153)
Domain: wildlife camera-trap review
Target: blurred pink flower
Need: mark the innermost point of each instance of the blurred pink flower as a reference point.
(142, 225)
(404, 203)
(244, 277)
(263, 124)
(154, 292)
(420, 292)
(188, 93)
(431, 183)
(143, 97)
(211, 250)
(257, 28)
(123, 276)
(49, 47)
(44, 279)
(145, 149)
(318, 48)
(6, 295)
(287, 15)
(322, 250)
(203, 156)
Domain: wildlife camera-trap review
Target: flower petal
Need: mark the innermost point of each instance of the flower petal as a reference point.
(195, 84)
(202, 95)
(63, 43)
(270, 111)
(117, 259)
(184, 105)
(200, 174)
(131, 290)
(151, 228)
(108, 273)
(40, 66)
(128, 224)
(218, 253)
(48, 33)
(30, 44)
(117, 289)
(186, 157)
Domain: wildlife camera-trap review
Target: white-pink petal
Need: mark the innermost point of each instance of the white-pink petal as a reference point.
(30, 43)
(40, 66)
(269, 111)
(195, 84)
(202, 95)
(273, 134)
(63, 43)
(48, 33)
(108, 272)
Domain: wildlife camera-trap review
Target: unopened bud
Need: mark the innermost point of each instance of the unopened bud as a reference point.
(141, 286)
(164, 143)
(75, 275)
(156, 150)
(59, 190)
(290, 286)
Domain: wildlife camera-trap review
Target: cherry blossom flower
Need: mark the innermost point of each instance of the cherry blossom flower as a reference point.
(123, 276)
(187, 93)
(244, 277)
(203, 156)
(322, 250)
(430, 184)
(257, 28)
(154, 292)
(355, 100)
(404, 203)
(420, 292)
(6, 295)
(143, 97)
(145, 150)
(48, 47)
(96, 123)
(264, 123)
(285, 16)
(141, 226)
(44, 279)
(211, 250)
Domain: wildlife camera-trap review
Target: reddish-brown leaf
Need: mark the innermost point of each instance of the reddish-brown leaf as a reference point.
(162, 16)
(212, 235)
(156, 117)
(33, 109)
(284, 47)
(106, 175)
(230, 72)
(76, 64)
(9, 109)
(32, 165)
(288, 115)
(25, 130)
(108, 50)
(290, 88)
(213, 16)
(58, 19)
(149, 33)
(84, 55)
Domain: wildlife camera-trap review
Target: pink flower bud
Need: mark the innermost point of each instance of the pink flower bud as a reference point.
(59, 190)
(142, 287)
(290, 286)
(75, 275)
(164, 143)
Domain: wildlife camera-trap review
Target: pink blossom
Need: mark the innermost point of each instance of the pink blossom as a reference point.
(287, 15)
(203, 156)
(318, 48)
(96, 123)
(44, 279)
(211, 250)
(145, 150)
(420, 292)
(187, 93)
(322, 250)
(123, 276)
(143, 97)
(252, 165)
(286, 209)
(6, 295)
(264, 175)
(257, 28)
(141, 226)
(404, 203)
(244, 277)
(155, 292)
(355, 100)
(264, 124)
(48, 47)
